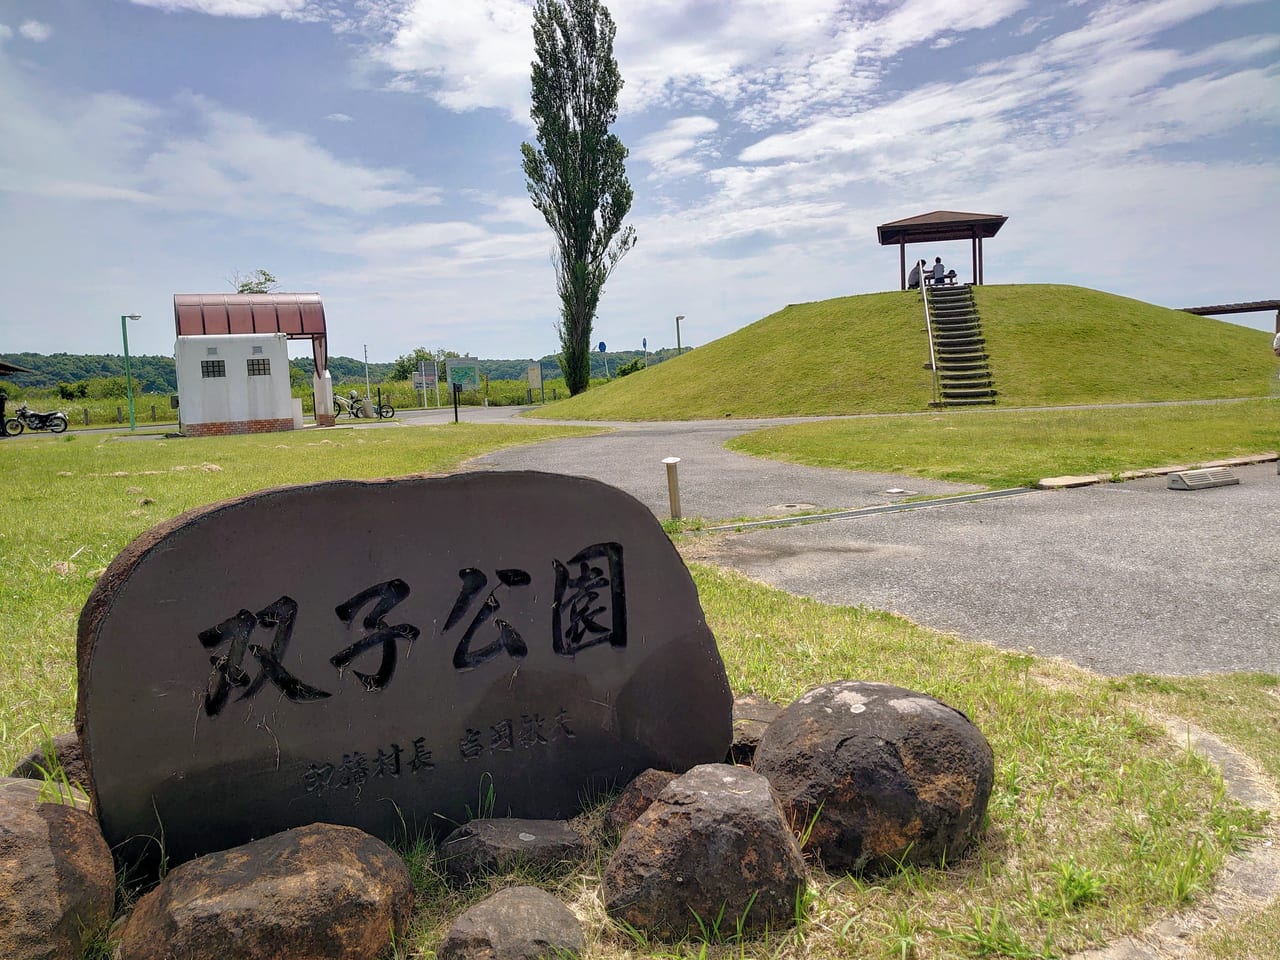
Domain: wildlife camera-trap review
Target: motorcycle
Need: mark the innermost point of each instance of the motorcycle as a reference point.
(26, 418)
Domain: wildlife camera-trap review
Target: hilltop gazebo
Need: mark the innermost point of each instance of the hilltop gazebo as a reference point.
(938, 226)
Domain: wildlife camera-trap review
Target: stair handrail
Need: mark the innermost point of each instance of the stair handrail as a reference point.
(928, 329)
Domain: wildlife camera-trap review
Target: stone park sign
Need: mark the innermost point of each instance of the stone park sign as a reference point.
(395, 655)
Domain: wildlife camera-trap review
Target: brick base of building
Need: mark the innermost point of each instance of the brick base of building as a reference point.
(326, 420)
(228, 428)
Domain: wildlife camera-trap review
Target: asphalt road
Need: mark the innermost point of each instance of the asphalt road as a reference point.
(1119, 578)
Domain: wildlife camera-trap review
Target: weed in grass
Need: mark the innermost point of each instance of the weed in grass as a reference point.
(990, 934)
(55, 787)
(903, 938)
(709, 931)
(1077, 885)
(486, 797)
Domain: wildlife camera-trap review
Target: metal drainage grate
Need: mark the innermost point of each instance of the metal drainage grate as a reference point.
(1201, 479)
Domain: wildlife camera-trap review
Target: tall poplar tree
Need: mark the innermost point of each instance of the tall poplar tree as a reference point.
(576, 176)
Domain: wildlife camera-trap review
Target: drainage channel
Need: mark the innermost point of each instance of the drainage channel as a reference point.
(869, 511)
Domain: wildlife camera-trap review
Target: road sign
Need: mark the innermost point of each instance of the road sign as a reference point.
(463, 371)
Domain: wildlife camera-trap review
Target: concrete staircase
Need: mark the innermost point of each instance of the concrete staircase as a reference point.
(964, 376)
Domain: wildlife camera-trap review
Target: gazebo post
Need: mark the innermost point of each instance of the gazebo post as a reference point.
(902, 263)
(981, 265)
(973, 250)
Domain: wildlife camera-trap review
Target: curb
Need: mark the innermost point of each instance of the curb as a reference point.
(1063, 483)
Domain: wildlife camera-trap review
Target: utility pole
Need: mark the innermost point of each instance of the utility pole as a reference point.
(128, 370)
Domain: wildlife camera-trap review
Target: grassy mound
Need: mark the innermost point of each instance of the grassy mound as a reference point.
(1049, 346)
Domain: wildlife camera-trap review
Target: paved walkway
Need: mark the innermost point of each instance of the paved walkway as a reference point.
(1119, 578)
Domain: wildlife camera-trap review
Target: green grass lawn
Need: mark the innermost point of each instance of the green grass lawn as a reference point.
(1017, 448)
(1049, 346)
(1097, 823)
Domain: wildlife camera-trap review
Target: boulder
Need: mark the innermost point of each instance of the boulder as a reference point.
(496, 845)
(57, 879)
(712, 849)
(635, 799)
(312, 893)
(891, 775)
(751, 717)
(67, 754)
(519, 923)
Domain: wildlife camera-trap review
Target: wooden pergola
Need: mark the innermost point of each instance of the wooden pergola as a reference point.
(7, 368)
(1253, 306)
(938, 226)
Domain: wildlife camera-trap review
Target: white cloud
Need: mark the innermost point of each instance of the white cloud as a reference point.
(239, 164)
(667, 150)
(338, 117)
(231, 8)
(5, 33)
(36, 31)
(467, 55)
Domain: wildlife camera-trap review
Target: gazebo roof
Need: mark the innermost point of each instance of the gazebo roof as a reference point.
(940, 225)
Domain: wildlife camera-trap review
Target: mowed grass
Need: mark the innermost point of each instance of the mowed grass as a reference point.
(1017, 448)
(1049, 346)
(72, 503)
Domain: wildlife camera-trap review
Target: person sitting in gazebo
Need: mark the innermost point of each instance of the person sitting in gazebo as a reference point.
(913, 278)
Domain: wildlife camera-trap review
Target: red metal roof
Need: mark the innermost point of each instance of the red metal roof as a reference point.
(299, 315)
(940, 225)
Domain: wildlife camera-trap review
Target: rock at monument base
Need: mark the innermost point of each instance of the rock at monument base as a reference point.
(751, 717)
(519, 923)
(313, 893)
(57, 881)
(68, 756)
(495, 845)
(897, 775)
(635, 799)
(714, 844)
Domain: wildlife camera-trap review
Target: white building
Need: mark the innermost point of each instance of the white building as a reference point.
(234, 383)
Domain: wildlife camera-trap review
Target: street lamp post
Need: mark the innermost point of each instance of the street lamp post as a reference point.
(678, 319)
(128, 370)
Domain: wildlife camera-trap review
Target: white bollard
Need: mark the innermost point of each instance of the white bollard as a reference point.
(673, 486)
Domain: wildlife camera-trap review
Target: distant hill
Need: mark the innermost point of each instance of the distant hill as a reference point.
(150, 374)
(1049, 345)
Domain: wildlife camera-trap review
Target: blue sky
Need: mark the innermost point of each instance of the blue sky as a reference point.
(369, 150)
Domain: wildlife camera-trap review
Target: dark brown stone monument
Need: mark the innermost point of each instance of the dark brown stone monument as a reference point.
(384, 654)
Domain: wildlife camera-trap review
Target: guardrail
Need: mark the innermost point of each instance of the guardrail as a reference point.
(928, 329)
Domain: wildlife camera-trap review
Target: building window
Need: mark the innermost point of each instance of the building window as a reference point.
(256, 351)
(213, 368)
(210, 351)
(259, 368)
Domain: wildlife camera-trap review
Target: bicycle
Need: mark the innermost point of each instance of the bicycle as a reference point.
(354, 407)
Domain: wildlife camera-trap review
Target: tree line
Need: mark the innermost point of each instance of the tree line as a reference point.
(99, 376)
